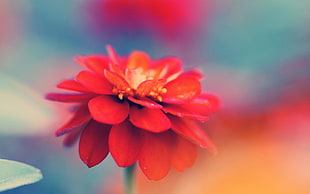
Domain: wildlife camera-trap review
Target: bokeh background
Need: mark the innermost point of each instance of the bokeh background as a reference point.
(255, 56)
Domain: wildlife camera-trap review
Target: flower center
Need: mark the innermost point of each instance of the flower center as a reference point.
(137, 83)
(123, 92)
(135, 76)
(150, 89)
(156, 93)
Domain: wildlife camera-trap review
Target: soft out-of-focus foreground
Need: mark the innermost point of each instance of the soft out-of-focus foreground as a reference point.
(255, 56)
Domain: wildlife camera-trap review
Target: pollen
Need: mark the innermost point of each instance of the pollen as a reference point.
(163, 90)
(121, 93)
(121, 96)
(156, 93)
(159, 98)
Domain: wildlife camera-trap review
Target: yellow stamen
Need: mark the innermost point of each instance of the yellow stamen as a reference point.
(163, 90)
(121, 96)
(159, 98)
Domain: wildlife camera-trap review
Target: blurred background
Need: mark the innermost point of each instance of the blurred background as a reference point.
(255, 56)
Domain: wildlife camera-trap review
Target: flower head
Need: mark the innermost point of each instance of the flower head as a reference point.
(137, 109)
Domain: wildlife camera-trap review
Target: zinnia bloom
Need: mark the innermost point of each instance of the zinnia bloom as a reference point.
(137, 109)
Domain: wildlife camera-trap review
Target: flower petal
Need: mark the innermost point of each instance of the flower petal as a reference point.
(150, 85)
(156, 153)
(118, 69)
(125, 143)
(117, 64)
(93, 146)
(181, 90)
(203, 104)
(71, 138)
(180, 111)
(167, 67)
(145, 102)
(191, 130)
(72, 85)
(80, 117)
(184, 154)
(94, 82)
(69, 97)
(116, 80)
(108, 109)
(192, 73)
(112, 55)
(153, 120)
(138, 59)
(200, 105)
(95, 63)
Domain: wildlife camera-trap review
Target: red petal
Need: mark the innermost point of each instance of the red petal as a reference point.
(156, 153)
(118, 69)
(117, 64)
(149, 85)
(71, 138)
(167, 67)
(190, 129)
(69, 97)
(180, 111)
(192, 73)
(95, 63)
(145, 102)
(153, 120)
(118, 81)
(80, 117)
(94, 82)
(108, 109)
(125, 143)
(93, 146)
(112, 54)
(184, 154)
(203, 104)
(138, 59)
(181, 90)
(72, 85)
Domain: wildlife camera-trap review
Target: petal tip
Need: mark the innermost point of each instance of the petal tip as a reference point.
(58, 134)
(211, 148)
(89, 163)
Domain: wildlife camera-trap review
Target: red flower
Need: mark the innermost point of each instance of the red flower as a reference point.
(137, 109)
